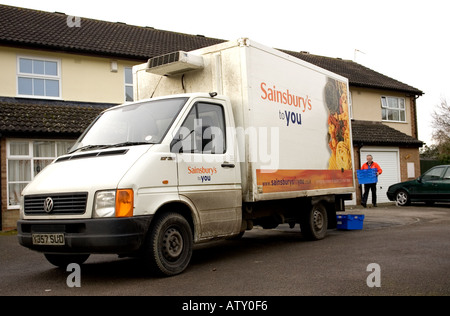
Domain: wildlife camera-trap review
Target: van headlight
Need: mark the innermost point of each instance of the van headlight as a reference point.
(105, 204)
(119, 203)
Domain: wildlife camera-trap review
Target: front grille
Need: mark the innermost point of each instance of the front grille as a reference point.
(63, 204)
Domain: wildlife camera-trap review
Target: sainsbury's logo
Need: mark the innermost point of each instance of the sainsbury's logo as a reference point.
(205, 173)
(285, 97)
(201, 170)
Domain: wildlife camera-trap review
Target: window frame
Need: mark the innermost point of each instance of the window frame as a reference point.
(387, 108)
(57, 77)
(433, 176)
(350, 104)
(197, 115)
(31, 158)
(446, 175)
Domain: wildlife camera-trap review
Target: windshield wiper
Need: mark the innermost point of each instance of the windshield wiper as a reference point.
(90, 147)
(87, 147)
(128, 144)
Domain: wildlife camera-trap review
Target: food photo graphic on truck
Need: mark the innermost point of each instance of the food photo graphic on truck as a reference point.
(219, 139)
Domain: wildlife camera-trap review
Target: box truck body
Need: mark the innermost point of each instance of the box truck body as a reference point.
(218, 140)
(285, 129)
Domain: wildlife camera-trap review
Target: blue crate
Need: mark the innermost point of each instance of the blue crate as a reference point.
(350, 222)
(367, 175)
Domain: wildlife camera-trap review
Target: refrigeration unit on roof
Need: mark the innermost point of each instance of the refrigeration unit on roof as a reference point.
(174, 63)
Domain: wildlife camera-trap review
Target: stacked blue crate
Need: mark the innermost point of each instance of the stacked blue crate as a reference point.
(367, 176)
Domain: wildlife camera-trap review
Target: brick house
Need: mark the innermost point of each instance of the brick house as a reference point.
(57, 76)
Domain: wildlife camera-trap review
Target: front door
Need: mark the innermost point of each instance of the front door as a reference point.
(208, 174)
(430, 184)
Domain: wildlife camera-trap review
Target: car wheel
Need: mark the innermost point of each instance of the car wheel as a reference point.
(169, 245)
(314, 222)
(402, 198)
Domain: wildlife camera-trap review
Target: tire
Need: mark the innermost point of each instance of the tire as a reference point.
(169, 244)
(62, 261)
(402, 198)
(315, 222)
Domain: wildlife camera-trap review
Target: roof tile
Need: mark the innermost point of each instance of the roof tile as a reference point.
(24, 116)
(51, 30)
(379, 134)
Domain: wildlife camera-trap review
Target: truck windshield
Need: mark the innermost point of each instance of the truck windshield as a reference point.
(133, 124)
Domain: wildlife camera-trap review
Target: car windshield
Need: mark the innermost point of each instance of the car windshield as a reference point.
(133, 124)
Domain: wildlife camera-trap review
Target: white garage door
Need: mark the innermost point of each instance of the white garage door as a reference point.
(388, 160)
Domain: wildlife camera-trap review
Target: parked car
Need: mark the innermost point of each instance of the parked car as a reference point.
(432, 186)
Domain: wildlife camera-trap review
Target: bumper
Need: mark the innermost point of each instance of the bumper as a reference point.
(390, 196)
(105, 235)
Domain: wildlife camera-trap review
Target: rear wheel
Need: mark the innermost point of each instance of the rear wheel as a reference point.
(402, 198)
(168, 249)
(315, 222)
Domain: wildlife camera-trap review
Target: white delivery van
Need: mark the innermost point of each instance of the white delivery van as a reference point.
(220, 139)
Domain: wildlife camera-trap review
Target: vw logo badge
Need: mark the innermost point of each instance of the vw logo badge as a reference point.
(48, 205)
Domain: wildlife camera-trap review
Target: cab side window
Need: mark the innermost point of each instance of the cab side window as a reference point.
(203, 131)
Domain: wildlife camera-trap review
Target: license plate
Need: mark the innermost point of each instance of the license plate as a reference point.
(48, 239)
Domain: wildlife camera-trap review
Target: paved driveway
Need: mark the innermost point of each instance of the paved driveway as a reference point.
(410, 245)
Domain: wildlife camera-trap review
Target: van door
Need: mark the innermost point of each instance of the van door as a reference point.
(208, 174)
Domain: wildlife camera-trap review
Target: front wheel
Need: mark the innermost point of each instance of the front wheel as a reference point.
(168, 249)
(314, 223)
(402, 198)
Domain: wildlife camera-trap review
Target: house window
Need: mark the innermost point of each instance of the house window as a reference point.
(25, 159)
(393, 109)
(38, 77)
(350, 105)
(128, 84)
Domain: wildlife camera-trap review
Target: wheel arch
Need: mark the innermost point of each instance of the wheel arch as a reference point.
(403, 188)
(183, 208)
